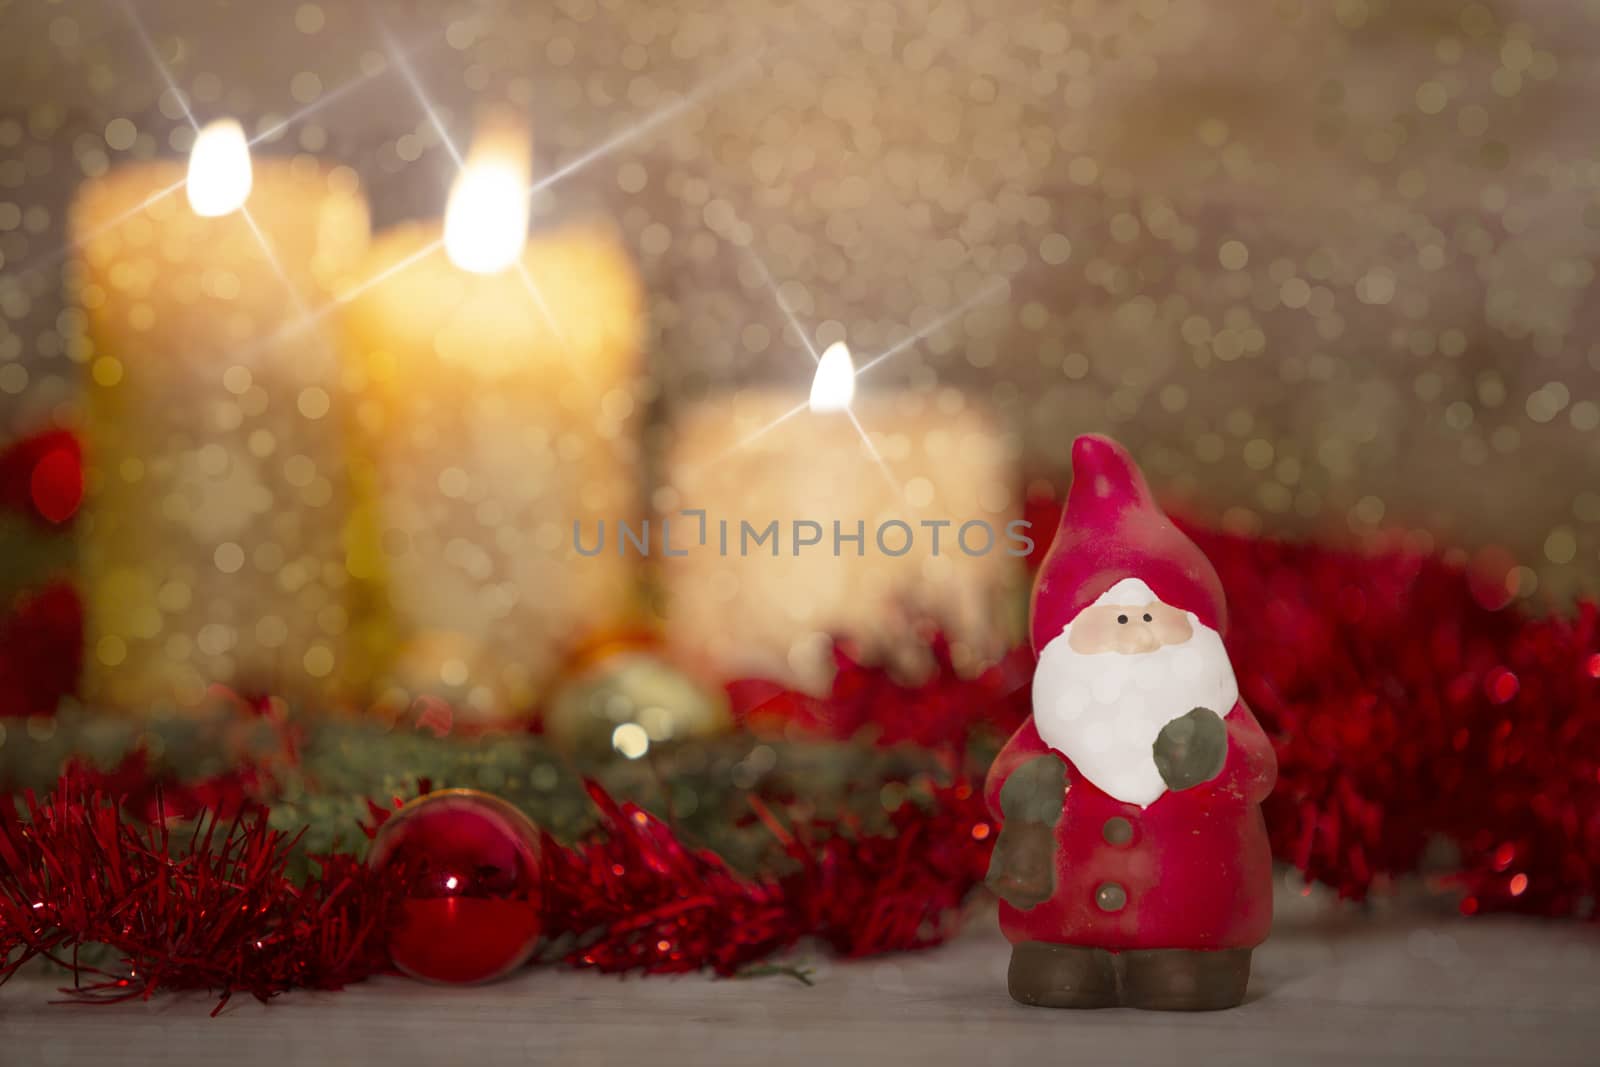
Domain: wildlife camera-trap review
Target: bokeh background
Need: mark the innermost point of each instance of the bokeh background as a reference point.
(1325, 267)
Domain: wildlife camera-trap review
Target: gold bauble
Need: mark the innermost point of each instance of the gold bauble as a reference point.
(629, 700)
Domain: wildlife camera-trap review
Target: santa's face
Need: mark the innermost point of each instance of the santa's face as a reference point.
(1120, 671)
(1128, 629)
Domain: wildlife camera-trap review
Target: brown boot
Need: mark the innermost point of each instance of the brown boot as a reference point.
(1044, 975)
(1175, 979)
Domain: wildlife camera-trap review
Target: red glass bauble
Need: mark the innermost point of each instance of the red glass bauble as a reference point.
(469, 863)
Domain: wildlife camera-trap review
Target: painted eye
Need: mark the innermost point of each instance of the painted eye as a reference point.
(1147, 617)
(1122, 619)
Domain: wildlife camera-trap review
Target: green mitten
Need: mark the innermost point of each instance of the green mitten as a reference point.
(1022, 866)
(1191, 749)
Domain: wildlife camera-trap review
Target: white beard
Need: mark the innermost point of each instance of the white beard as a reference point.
(1104, 711)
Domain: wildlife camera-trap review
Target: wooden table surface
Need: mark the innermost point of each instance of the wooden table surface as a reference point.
(1348, 989)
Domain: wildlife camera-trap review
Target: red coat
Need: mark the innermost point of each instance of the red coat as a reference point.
(1192, 870)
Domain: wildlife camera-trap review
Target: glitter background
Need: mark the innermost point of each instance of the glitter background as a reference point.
(1322, 266)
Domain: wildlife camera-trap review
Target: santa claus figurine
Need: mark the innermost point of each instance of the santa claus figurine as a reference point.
(1132, 863)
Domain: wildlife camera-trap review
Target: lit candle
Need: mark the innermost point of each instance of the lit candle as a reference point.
(501, 406)
(888, 511)
(212, 535)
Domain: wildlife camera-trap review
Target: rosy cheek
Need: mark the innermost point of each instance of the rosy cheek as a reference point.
(1174, 628)
(1085, 640)
(1090, 634)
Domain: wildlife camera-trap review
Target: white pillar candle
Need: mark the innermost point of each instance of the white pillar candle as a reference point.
(213, 529)
(500, 404)
(939, 519)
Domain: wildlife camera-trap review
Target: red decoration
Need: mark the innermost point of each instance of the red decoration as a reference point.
(213, 909)
(940, 713)
(467, 868)
(153, 798)
(632, 896)
(1404, 710)
(41, 651)
(42, 476)
(637, 898)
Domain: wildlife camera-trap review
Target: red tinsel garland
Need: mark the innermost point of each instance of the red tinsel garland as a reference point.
(214, 911)
(939, 713)
(636, 898)
(217, 910)
(1404, 709)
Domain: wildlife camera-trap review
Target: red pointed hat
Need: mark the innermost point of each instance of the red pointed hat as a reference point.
(1112, 529)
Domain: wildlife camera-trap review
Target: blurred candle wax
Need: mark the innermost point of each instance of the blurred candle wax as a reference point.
(925, 478)
(500, 405)
(213, 534)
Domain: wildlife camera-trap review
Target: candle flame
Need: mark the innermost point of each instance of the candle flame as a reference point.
(219, 169)
(835, 384)
(486, 217)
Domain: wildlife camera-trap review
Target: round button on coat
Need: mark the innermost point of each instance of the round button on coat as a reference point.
(1109, 896)
(1117, 831)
